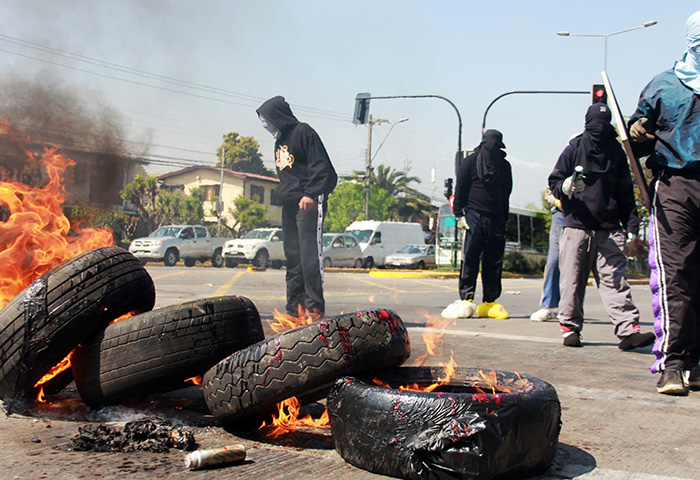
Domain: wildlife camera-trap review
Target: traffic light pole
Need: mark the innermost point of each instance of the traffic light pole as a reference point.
(513, 92)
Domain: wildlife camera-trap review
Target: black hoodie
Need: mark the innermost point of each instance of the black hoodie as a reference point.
(303, 165)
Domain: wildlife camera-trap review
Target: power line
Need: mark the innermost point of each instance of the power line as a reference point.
(154, 76)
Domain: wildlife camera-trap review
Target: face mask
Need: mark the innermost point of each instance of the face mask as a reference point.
(274, 131)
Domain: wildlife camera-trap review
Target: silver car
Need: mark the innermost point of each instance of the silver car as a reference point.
(341, 250)
(412, 256)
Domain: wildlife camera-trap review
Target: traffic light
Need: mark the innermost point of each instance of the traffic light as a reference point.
(361, 109)
(598, 94)
(448, 188)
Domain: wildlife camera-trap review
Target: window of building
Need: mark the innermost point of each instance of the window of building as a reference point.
(211, 191)
(257, 193)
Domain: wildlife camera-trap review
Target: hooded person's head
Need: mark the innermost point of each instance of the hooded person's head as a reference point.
(687, 69)
(490, 157)
(277, 117)
(597, 148)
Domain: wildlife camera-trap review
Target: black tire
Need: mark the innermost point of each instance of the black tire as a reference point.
(456, 428)
(276, 264)
(189, 262)
(158, 350)
(303, 361)
(262, 259)
(66, 307)
(369, 262)
(358, 263)
(421, 265)
(231, 263)
(171, 258)
(217, 260)
(327, 263)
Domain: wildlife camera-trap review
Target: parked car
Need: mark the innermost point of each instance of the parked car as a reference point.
(379, 239)
(170, 243)
(412, 256)
(262, 247)
(341, 250)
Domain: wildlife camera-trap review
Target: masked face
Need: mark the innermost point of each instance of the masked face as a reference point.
(274, 131)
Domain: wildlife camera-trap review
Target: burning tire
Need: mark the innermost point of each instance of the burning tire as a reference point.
(303, 361)
(159, 350)
(456, 431)
(65, 307)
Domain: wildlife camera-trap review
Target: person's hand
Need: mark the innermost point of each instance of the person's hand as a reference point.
(306, 203)
(572, 185)
(638, 131)
(462, 224)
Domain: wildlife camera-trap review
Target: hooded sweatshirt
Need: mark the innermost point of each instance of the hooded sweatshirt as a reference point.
(303, 165)
(607, 202)
(485, 179)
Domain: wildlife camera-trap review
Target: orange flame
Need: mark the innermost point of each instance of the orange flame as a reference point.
(433, 334)
(287, 419)
(195, 380)
(284, 322)
(37, 236)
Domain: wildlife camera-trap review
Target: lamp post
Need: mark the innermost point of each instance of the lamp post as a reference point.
(369, 157)
(605, 37)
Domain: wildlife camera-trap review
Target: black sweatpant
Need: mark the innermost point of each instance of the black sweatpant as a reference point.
(302, 247)
(484, 242)
(674, 258)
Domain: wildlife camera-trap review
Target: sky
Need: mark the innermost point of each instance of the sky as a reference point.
(181, 74)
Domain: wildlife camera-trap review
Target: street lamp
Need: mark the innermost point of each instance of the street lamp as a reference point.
(369, 157)
(605, 36)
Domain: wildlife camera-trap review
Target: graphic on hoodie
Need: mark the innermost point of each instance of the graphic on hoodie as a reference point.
(283, 158)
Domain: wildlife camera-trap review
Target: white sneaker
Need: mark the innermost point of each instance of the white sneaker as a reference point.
(459, 309)
(545, 315)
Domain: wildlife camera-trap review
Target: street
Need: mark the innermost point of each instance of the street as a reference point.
(614, 424)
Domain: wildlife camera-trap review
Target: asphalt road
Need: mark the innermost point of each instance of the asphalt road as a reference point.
(615, 425)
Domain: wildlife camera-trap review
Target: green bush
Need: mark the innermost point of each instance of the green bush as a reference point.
(517, 262)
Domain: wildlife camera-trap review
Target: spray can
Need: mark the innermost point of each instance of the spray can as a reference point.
(215, 456)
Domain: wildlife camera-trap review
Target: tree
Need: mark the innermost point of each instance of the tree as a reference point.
(249, 214)
(242, 155)
(158, 206)
(346, 204)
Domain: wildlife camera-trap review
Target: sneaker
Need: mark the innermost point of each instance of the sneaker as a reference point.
(572, 339)
(545, 315)
(693, 378)
(459, 309)
(636, 340)
(492, 310)
(671, 383)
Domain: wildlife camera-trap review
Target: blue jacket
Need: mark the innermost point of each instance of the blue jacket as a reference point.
(673, 111)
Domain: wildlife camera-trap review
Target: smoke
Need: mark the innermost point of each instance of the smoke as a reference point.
(50, 111)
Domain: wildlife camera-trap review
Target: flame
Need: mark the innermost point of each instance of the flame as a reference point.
(195, 380)
(433, 336)
(284, 322)
(37, 236)
(287, 420)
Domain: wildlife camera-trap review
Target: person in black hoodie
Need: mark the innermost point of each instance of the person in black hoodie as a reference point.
(598, 206)
(306, 178)
(482, 193)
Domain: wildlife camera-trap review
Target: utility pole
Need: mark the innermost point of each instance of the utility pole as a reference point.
(368, 161)
(220, 203)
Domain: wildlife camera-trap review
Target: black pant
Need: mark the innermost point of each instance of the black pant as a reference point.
(674, 258)
(485, 241)
(302, 247)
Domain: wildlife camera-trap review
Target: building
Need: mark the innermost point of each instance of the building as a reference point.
(250, 185)
(95, 180)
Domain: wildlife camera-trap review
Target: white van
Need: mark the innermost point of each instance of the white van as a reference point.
(379, 239)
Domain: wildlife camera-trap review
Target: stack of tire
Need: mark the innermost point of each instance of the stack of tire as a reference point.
(72, 308)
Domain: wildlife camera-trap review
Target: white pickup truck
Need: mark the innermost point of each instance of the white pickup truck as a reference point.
(170, 243)
(262, 247)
